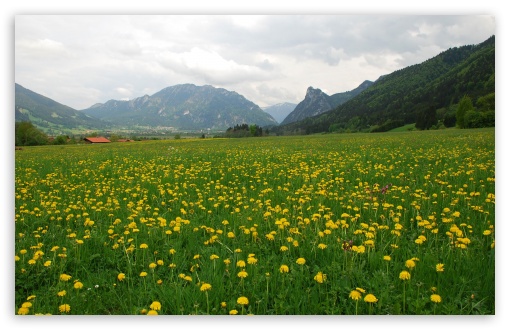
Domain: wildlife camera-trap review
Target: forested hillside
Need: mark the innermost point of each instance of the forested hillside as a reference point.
(432, 88)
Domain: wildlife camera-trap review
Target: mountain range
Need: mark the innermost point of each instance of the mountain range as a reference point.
(395, 99)
(185, 107)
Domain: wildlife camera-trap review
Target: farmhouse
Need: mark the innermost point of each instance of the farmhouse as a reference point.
(98, 139)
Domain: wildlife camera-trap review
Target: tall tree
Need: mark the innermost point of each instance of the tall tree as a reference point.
(464, 106)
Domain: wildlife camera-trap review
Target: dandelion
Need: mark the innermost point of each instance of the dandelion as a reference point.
(284, 248)
(371, 299)
(440, 268)
(61, 293)
(242, 274)
(284, 269)
(243, 301)
(410, 264)
(320, 277)
(47, 263)
(26, 304)
(436, 299)
(355, 295)
(23, 311)
(121, 277)
(152, 312)
(143, 274)
(144, 246)
(233, 312)
(322, 246)
(241, 264)
(205, 287)
(65, 308)
(300, 261)
(152, 265)
(65, 277)
(404, 275)
(252, 260)
(156, 306)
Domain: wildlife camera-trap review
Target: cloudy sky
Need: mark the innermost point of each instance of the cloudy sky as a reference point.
(80, 60)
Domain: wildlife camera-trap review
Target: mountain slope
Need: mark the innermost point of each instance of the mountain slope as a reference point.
(398, 98)
(317, 102)
(184, 106)
(49, 115)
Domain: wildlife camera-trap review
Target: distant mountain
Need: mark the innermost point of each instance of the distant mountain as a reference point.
(407, 94)
(48, 115)
(186, 107)
(280, 111)
(317, 102)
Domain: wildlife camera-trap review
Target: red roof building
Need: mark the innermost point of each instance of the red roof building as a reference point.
(99, 139)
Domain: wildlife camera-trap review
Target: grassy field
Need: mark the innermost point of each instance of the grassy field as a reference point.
(393, 223)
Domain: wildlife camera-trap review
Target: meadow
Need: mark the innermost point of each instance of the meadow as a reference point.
(336, 224)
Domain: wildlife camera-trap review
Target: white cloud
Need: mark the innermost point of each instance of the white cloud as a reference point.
(268, 59)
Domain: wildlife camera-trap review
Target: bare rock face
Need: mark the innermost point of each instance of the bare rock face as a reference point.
(315, 103)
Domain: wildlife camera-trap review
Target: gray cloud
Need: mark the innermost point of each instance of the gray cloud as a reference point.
(81, 60)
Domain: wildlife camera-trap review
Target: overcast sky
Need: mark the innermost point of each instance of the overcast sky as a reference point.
(80, 60)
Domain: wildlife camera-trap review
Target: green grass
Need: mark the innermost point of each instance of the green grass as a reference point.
(257, 204)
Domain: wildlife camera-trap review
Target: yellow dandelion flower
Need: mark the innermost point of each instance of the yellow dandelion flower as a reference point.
(300, 261)
(360, 290)
(322, 246)
(152, 312)
(241, 264)
(156, 305)
(152, 265)
(440, 268)
(144, 246)
(23, 311)
(284, 269)
(121, 277)
(320, 277)
(65, 277)
(242, 301)
(26, 304)
(78, 285)
(143, 274)
(370, 298)
(404, 275)
(435, 298)
(410, 264)
(65, 308)
(355, 295)
(213, 256)
(283, 248)
(387, 258)
(252, 260)
(205, 287)
(233, 312)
